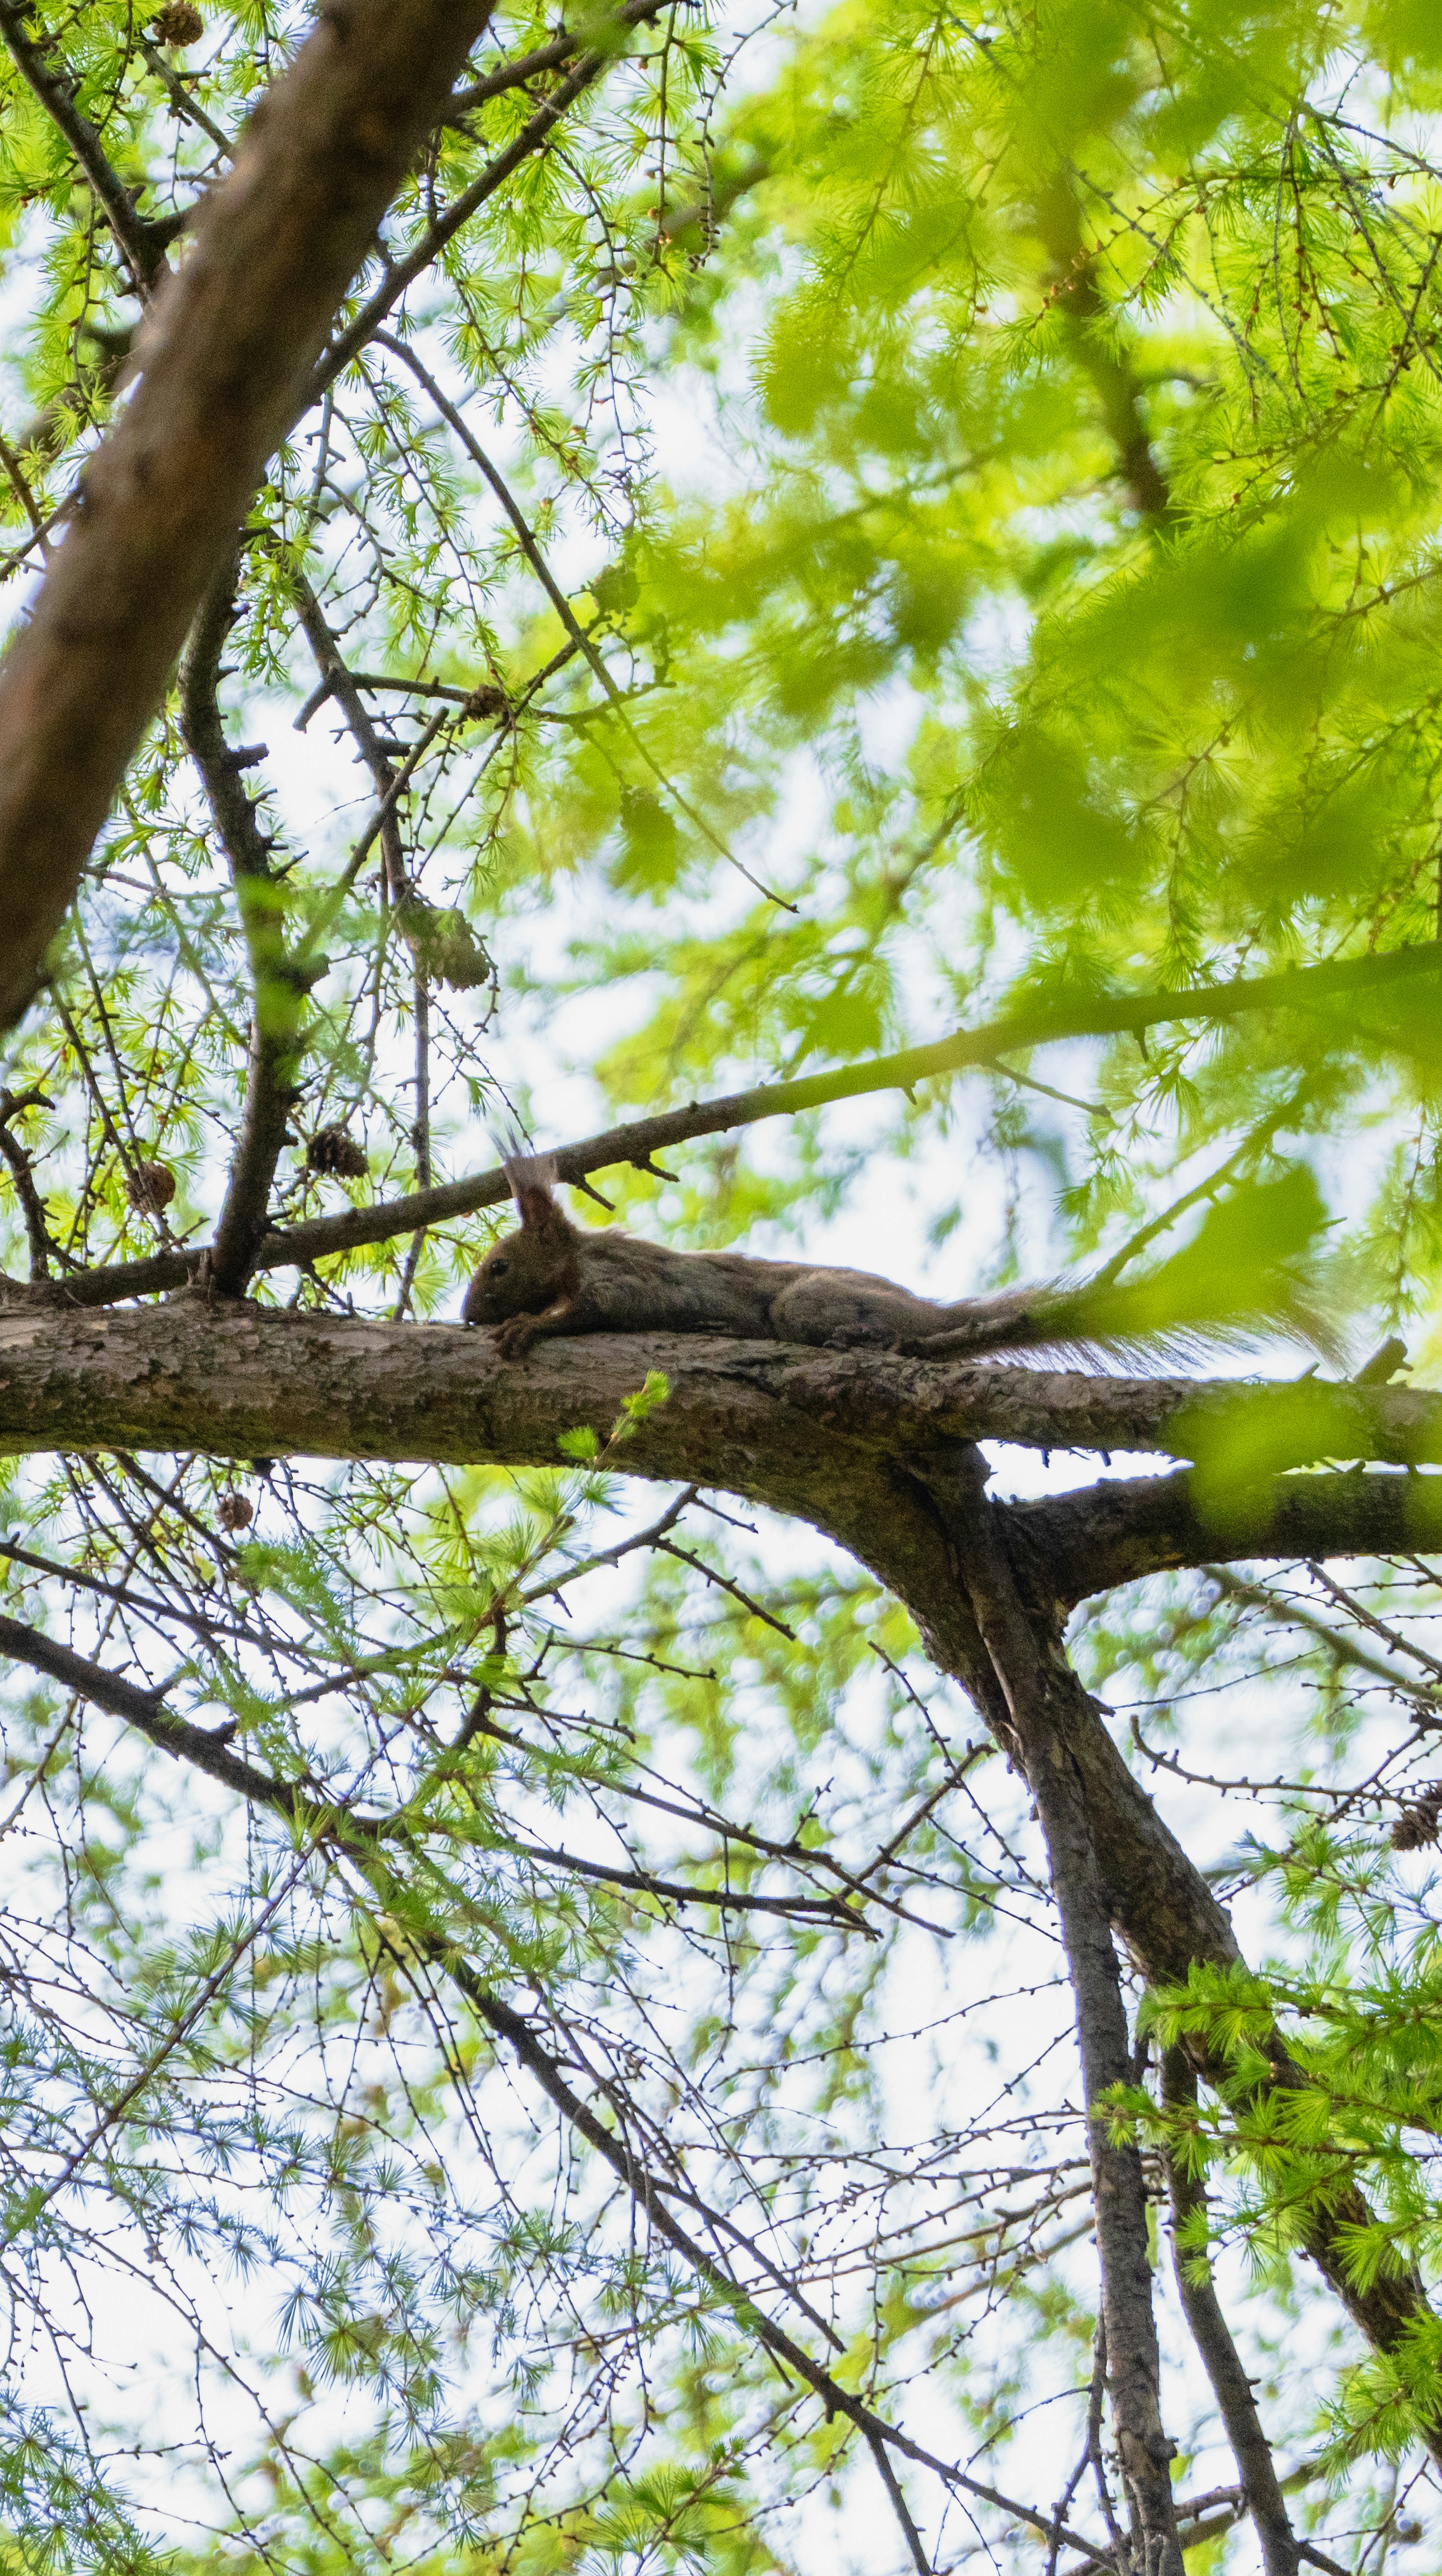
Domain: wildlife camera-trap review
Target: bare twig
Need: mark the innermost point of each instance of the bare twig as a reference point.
(1203, 2311)
(32, 1206)
(181, 98)
(1023, 1663)
(342, 685)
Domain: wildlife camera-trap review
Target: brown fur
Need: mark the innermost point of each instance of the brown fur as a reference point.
(550, 1276)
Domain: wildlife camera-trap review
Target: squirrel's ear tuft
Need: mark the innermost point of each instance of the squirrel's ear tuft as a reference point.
(530, 1172)
(533, 1177)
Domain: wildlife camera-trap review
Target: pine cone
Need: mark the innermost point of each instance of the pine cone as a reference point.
(443, 944)
(332, 1150)
(1419, 1820)
(177, 24)
(234, 1513)
(150, 1187)
(487, 700)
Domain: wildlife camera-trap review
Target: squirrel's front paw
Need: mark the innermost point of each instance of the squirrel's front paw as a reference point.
(514, 1338)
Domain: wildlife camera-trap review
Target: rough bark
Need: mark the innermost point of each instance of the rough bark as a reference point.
(1076, 1544)
(771, 1424)
(227, 353)
(257, 1381)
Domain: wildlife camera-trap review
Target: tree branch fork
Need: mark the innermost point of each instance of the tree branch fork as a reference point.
(873, 1450)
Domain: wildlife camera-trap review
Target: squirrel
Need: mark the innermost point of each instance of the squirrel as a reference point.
(550, 1276)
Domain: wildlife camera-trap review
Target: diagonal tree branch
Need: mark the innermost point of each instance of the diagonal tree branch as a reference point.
(1049, 1021)
(512, 75)
(1043, 1023)
(185, 104)
(209, 1749)
(226, 359)
(342, 686)
(1095, 336)
(1212, 2337)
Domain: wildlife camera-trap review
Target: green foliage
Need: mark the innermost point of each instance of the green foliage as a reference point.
(989, 477)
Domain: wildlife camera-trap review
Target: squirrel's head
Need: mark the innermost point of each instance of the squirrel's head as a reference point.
(530, 1267)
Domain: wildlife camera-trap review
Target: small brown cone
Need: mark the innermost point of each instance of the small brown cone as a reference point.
(1418, 1822)
(331, 1149)
(443, 944)
(234, 1512)
(177, 24)
(150, 1187)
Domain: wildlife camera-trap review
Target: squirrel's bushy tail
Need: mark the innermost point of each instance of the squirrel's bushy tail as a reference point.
(1080, 1327)
(1249, 1270)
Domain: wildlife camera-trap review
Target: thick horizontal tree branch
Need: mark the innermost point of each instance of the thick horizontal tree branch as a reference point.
(1086, 1542)
(257, 1381)
(1043, 1023)
(851, 1442)
(801, 1432)
(226, 357)
(198, 1376)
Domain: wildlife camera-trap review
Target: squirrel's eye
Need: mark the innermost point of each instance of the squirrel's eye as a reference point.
(496, 1268)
